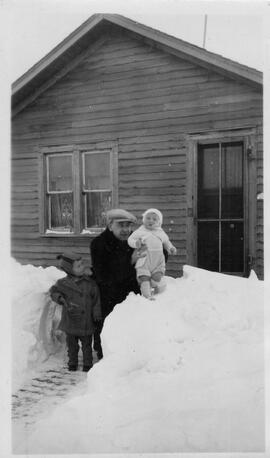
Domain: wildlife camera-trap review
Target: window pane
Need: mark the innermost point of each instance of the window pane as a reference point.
(208, 246)
(97, 204)
(61, 207)
(232, 247)
(232, 180)
(208, 181)
(60, 173)
(97, 171)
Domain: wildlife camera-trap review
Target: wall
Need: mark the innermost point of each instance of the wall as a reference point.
(146, 100)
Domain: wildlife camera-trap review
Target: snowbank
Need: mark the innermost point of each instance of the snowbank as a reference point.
(183, 373)
(34, 318)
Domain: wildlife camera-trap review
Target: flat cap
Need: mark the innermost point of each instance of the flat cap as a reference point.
(69, 256)
(117, 214)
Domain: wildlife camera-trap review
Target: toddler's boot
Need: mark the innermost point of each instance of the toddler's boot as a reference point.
(72, 367)
(87, 368)
(98, 349)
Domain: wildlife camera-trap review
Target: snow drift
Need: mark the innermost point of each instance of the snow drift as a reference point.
(183, 373)
(34, 319)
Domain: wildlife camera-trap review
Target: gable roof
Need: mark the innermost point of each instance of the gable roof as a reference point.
(30, 84)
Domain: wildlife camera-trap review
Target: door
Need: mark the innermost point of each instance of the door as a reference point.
(223, 202)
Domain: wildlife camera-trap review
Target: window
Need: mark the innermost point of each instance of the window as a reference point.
(60, 202)
(77, 189)
(97, 188)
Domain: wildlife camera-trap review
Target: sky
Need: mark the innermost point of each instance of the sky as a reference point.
(236, 30)
(182, 373)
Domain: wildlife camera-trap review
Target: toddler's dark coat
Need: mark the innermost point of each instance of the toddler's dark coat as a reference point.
(80, 299)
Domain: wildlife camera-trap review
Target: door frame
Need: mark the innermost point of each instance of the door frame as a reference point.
(247, 135)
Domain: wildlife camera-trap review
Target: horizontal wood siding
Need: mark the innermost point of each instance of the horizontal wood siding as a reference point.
(146, 100)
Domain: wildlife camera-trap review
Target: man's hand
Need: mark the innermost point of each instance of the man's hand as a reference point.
(138, 243)
(138, 253)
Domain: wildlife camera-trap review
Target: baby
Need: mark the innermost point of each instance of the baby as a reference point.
(151, 268)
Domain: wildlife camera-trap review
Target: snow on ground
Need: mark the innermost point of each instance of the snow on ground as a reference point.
(183, 373)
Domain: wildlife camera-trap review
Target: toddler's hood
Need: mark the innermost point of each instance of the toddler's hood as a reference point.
(156, 211)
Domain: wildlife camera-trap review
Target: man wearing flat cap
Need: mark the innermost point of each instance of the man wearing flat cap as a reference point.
(113, 265)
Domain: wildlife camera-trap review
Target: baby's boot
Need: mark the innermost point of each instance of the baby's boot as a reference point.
(145, 289)
(159, 286)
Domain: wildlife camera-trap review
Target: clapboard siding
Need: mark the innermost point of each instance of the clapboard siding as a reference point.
(133, 100)
(95, 119)
(147, 101)
(80, 136)
(238, 118)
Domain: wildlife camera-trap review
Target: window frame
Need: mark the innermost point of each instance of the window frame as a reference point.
(87, 191)
(78, 186)
(50, 193)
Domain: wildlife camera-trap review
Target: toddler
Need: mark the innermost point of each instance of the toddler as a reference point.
(78, 295)
(151, 268)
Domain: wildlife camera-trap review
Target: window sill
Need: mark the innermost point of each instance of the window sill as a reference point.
(84, 233)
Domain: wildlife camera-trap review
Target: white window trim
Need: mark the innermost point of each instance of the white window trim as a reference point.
(78, 177)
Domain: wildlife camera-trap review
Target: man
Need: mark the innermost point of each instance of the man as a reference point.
(113, 265)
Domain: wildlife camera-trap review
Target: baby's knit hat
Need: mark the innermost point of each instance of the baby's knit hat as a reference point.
(153, 210)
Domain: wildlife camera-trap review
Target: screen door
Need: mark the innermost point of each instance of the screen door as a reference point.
(221, 207)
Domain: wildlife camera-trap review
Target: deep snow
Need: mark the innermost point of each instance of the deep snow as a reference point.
(183, 373)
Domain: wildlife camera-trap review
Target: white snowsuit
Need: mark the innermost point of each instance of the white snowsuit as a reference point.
(155, 240)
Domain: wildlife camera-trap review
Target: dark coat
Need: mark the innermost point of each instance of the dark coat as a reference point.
(80, 299)
(112, 270)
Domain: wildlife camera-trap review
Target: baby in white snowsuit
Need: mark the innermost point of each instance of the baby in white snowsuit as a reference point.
(151, 268)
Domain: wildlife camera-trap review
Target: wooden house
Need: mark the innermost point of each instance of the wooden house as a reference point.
(122, 115)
